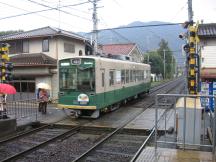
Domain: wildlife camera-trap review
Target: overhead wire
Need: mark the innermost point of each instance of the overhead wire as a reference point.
(112, 30)
(58, 9)
(34, 12)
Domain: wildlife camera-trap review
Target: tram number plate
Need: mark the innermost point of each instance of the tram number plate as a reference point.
(75, 61)
(83, 102)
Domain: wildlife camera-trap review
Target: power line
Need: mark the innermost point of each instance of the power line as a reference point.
(34, 12)
(58, 9)
(141, 26)
(112, 30)
(181, 9)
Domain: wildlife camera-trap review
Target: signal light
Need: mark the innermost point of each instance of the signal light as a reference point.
(186, 48)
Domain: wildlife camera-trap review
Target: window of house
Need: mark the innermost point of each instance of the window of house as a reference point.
(15, 47)
(25, 46)
(111, 78)
(45, 45)
(80, 53)
(68, 47)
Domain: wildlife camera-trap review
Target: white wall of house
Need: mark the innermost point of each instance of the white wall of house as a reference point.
(208, 53)
(56, 47)
(55, 86)
(136, 55)
(79, 45)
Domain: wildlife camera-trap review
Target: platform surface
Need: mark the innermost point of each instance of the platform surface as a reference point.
(146, 120)
(110, 120)
(149, 154)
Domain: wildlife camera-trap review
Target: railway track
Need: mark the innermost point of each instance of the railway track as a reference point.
(25, 143)
(79, 144)
(120, 147)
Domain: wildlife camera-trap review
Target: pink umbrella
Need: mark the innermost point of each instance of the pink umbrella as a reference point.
(7, 89)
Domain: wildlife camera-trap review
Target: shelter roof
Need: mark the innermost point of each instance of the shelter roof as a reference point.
(35, 59)
(207, 30)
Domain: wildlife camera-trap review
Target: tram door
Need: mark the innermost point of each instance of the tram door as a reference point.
(103, 86)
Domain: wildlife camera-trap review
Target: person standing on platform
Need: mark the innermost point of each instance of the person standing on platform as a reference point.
(37, 95)
(3, 114)
(43, 98)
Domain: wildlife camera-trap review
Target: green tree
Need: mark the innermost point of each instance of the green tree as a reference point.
(155, 61)
(9, 32)
(169, 59)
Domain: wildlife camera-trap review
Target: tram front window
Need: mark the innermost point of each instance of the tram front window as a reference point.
(77, 79)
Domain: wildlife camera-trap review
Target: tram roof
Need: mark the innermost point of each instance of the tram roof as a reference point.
(107, 60)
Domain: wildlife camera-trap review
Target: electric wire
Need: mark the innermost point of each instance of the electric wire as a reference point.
(58, 9)
(34, 12)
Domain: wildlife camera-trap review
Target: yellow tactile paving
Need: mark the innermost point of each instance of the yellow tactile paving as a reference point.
(149, 154)
(190, 103)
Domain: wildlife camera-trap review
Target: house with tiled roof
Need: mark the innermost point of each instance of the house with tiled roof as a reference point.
(35, 54)
(130, 50)
(207, 36)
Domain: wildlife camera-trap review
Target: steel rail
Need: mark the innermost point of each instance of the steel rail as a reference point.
(117, 130)
(28, 132)
(16, 156)
(147, 139)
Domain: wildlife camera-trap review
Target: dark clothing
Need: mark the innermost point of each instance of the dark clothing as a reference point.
(43, 99)
(43, 107)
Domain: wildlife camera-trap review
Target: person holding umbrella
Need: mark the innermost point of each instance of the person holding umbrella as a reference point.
(4, 90)
(3, 113)
(43, 97)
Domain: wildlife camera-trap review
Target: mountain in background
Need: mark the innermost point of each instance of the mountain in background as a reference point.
(147, 38)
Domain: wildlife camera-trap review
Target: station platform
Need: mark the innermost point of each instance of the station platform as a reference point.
(146, 120)
(150, 154)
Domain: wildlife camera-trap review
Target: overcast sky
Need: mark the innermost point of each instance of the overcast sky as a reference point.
(113, 13)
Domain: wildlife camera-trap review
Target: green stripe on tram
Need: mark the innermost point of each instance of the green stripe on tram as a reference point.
(102, 100)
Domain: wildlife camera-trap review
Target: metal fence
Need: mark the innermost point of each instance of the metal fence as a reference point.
(187, 124)
(21, 109)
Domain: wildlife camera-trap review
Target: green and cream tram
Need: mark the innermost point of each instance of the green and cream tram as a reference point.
(91, 85)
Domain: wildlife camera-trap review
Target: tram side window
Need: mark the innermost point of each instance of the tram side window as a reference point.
(127, 76)
(137, 76)
(111, 78)
(118, 77)
(148, 74)
(134, 75)
(102, 79)
(123, 76)
(131, 76)
(144, 74)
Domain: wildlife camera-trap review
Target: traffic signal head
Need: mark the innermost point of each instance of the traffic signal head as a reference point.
(9, 66)
(186, 24)
(183, 35)
(186, 48)
(6, 71)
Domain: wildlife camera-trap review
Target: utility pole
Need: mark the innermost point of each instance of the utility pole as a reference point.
(172, 67)
(95, 25)
(190, 11)
(164, 52)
